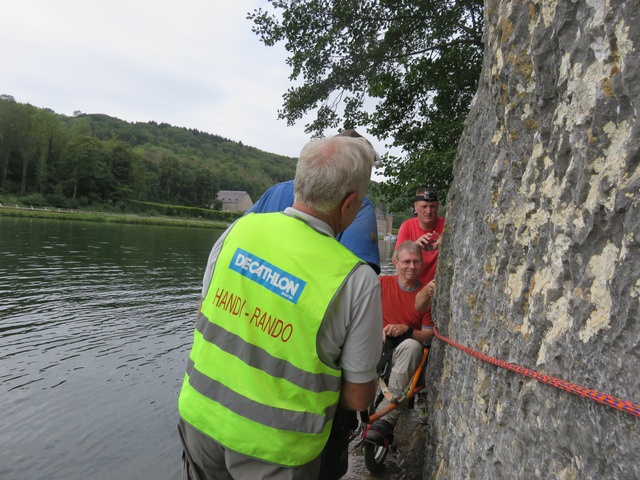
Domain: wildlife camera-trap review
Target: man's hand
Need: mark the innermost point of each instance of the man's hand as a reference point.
(425, 297)
(436, 239)
(395, 330)
(429, 241)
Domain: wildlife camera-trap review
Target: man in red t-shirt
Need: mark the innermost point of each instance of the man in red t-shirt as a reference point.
(426, 231)
(402, 321)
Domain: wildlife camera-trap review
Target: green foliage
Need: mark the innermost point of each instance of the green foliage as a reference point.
(84, 169)
(34, 199)
(400, 217)
(436, 169)
(89, 160)
(417, 62)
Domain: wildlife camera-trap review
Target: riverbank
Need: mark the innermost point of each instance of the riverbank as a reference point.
(106, 217)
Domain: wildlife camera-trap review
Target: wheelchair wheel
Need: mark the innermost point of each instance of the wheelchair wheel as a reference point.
(374, 456)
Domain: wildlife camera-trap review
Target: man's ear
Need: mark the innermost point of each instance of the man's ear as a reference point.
(350, 201)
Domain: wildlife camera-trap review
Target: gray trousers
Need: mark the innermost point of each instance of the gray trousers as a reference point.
(404, 362)
(206, 459)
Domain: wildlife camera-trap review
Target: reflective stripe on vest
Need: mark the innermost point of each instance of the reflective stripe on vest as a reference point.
(254, 380)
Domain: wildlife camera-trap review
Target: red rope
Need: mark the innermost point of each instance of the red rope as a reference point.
(605, 399)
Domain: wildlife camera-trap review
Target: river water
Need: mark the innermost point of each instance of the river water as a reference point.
(96, 323)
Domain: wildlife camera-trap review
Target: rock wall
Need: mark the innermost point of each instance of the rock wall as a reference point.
(541, 257)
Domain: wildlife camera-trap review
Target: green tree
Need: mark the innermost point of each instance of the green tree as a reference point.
(206, 187)
(85, 170)
(51, 141)
(121, 162)
(186, 189)
(170, 174)
(405, 70)
(15, 124)
(33, 144)
(147, 185)
(42, 137)
(22, 128)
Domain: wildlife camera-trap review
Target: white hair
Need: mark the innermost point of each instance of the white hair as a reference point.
(410, 247)
(331, 168)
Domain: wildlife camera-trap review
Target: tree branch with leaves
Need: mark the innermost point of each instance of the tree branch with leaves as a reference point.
(404, 70)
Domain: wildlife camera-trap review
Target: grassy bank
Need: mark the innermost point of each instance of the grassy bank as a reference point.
(79, 215)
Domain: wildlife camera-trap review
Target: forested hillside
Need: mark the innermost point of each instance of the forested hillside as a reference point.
(94, 159)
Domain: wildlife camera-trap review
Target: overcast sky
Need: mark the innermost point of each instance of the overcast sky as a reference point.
(192, 63)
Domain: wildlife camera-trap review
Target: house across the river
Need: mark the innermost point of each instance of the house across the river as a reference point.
(235, 201)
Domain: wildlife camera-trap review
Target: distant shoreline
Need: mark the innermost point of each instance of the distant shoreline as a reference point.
(104, 217)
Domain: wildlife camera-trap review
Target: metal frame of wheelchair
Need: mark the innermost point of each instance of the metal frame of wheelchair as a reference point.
(374, 453)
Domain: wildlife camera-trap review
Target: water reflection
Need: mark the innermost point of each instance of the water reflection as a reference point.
(96, 322)
(94, 331)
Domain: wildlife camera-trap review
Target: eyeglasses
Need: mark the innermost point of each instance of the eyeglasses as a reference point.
(406, 263)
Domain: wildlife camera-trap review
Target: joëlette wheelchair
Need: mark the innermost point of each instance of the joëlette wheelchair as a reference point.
(374, 452)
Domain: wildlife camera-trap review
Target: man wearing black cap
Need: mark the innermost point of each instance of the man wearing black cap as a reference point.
(425, 230)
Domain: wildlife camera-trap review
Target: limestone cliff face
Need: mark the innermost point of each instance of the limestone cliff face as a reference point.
(540, 262)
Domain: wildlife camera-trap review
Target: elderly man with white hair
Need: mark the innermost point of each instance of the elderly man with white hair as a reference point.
(288, 329)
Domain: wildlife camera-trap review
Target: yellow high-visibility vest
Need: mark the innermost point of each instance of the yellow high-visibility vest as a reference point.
(254, 381)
